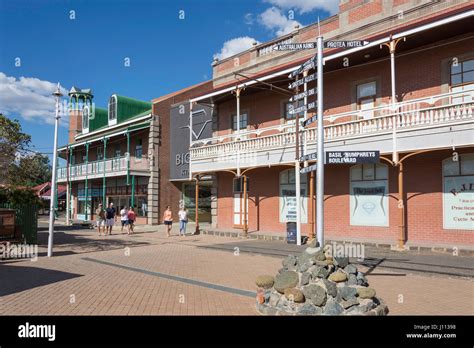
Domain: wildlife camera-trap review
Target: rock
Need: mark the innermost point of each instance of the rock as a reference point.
(357, 310)
(290, 260)
(311, 251)
(348, 292)
(352, 280)
(309, 309)
(368, 303)
(269, 310)
(341, 261)
(321, 263)
(260, 297)
(285, 280)
(274, 299)
(350, 269)
(382, 309)
(294, 295)
(349, 303)
(316, 294)
(366, 292)
(265, 281)
(267, 295)
(322, 273)
(305, 278)
(331, 268)
(338, 277)
(314, 243)
(303, 267)
(281, 270)
(319, 256)
(331, 287)
(333, 308)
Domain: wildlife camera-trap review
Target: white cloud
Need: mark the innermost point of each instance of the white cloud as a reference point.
(28, 97)
(273, 19)
(305, 6)
(234, 46)
(248, 18)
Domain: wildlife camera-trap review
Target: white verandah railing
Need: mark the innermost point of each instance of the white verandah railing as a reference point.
(418, 113)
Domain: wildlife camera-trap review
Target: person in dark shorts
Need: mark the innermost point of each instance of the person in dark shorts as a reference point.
(131, 220)
(123, 217)
(168, 220)
(109, 218)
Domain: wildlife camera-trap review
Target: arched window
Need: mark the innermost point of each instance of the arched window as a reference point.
(288, 196)
(113, 110)
(369, 195)
(85, 119)
(458, 192)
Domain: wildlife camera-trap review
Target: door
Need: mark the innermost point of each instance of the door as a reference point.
(239, 210)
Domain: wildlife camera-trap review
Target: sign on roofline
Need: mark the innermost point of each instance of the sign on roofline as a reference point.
(345, 44)
(309, 64)
(308, 169)
(308, 157)
(302, 81)
(310, 120)
(302, 95)
(352, 157)
(295, 46)
(302, 108)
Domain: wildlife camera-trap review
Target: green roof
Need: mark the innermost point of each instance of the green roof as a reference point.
(98, 119)
(128, 108)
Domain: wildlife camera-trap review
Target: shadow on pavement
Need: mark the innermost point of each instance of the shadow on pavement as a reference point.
(17, 279)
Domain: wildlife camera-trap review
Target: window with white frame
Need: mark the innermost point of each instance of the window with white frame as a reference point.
(113, 110)
(138, 149)
(369, 195)
(366, 96)
(243, 122)
(462, 79)
(85, 119)
(458, 192)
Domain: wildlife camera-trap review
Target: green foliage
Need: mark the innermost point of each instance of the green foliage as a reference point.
(30, 171)
(17, 196)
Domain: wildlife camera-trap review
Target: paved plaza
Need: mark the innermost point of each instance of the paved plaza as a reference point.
(150, 274)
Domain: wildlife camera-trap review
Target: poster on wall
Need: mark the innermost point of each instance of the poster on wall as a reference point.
(369, 203)
(288, 204)
(458, 203)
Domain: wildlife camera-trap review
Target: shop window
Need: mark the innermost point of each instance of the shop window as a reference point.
(462, 79)
(288, 196)
(369, 195)
(458, 192)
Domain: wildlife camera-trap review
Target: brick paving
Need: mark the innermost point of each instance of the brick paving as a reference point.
(150, 274)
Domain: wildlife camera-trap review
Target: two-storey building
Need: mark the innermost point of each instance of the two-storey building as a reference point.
(407, 94)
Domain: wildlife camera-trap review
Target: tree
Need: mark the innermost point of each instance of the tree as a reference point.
(13, 142)
(30, 170)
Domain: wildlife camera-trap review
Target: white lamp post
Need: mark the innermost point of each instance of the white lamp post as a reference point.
(58, 96)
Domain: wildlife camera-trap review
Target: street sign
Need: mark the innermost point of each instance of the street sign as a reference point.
(309, 64)
(302, 108)
(295, 46)
(308, 169)
(345, 44)
(310, 120)
(308, 157)
(352, 157)
(299, 96)
(300, 82)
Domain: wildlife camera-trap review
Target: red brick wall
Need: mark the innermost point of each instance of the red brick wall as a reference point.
(365, 11)
(423, 187)
(75, 125)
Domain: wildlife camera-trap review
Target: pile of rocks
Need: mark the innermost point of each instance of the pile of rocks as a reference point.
(315, 283)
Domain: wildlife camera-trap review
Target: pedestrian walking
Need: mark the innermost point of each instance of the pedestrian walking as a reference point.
(183, 221)
(123, 217)
(109, 218)
(131, 220)
(168, 220)
(100, 219)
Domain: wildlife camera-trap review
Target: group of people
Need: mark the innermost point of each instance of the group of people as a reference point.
(106, 219)
(168, 221)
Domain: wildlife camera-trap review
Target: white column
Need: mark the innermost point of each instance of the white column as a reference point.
(320, 152)
(394, 101)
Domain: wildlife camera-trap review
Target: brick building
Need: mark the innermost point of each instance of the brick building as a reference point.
(421, 192)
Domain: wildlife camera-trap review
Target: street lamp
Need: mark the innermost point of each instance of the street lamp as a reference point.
(58, 96)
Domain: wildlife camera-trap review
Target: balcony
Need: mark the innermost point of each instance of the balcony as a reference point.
(439, 121)
(116, 166)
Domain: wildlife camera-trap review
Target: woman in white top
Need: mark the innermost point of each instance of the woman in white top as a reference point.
(183, 220)
(124, 217)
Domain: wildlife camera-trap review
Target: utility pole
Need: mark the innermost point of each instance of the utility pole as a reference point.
(320, 150)
(58, 96)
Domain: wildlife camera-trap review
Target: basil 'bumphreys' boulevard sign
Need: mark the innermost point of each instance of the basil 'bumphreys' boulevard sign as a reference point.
(302, 95)
(308, 169)
(302, 81)
(345, 44)
(302, 108)
(352, 157)
(295, 46)
(310, 120)
(309, 157)
(309, 64)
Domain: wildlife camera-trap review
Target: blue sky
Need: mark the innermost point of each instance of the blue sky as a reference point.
(43, 42)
